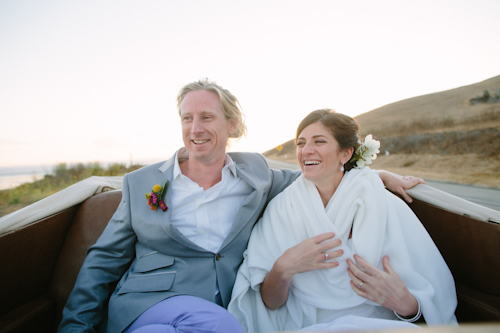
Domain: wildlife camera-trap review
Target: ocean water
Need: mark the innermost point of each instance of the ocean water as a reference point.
(8, 182)
(11, 177)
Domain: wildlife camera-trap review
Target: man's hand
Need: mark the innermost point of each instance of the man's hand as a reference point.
(399, 185)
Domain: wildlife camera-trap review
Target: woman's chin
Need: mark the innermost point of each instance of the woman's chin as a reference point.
(312, 178)
(323, 178)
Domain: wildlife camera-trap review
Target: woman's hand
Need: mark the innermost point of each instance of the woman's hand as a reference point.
(309, 255)
(383, 287)
(306, 256)
(399, 185)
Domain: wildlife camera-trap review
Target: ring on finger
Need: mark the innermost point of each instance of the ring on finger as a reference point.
(407, 178)
(361, 284)
(326, 256)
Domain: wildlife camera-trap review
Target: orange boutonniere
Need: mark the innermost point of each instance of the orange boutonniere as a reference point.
(155, 197)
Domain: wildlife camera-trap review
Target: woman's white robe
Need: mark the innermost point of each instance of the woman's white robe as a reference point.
(382, 224)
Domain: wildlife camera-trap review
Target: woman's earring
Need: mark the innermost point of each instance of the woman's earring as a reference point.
(342, 168)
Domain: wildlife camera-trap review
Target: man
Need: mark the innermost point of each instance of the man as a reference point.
(174, 266)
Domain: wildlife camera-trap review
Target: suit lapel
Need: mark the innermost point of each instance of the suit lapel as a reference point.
(250, 205)
(166, 172)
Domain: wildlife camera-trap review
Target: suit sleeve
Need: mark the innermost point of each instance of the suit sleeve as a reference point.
(105, 264)
(281, 179)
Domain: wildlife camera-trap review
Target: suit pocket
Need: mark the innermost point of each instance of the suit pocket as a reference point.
(150, 262)
(147, 283)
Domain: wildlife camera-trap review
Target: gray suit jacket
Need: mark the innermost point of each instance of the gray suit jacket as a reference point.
(152, 260)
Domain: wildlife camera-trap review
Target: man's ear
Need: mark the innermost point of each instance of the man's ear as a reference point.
(233, 124)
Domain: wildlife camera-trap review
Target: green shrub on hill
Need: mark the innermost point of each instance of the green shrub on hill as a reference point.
(62, 176)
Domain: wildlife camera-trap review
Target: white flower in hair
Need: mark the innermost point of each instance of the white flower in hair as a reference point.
(372, 146)
(360, 164)
(366, 152)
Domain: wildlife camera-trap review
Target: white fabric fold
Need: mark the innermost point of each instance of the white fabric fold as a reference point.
(59, 201)
(381, 224)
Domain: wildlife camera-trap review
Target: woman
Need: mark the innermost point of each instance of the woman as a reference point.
(288, 280)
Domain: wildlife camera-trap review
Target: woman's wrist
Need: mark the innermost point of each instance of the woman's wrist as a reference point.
(282, 270)
(274, 288)
(411, 318)
(408, 305)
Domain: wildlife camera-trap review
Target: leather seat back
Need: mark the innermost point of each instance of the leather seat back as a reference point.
(471, 249)
(88, 224)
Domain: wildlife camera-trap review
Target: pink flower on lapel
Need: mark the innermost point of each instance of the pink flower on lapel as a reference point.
(152, 198)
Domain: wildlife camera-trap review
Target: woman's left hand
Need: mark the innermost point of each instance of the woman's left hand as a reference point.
(383, 287)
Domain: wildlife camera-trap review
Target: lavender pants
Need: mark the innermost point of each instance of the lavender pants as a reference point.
(185, 314)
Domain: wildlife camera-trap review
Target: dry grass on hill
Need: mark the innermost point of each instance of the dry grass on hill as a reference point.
(439, 136)
(450, 106)
(463, 169)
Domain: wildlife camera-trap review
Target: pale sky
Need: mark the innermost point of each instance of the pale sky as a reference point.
(97, 80)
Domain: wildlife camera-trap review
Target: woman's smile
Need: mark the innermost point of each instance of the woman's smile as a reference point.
(307, 163)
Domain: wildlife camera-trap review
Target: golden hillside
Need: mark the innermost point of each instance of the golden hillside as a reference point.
(439, 136)
(436, 109)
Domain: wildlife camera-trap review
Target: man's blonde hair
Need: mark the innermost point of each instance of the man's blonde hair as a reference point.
(229, 103)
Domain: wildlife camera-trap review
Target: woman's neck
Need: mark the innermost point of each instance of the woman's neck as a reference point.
(327, 188)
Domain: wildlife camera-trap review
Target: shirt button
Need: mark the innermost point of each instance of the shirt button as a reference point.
(202, 232)
(217, 257)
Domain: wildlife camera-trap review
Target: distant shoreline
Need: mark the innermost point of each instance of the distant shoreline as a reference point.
(24, 170)
(8, 182)
(12, 177)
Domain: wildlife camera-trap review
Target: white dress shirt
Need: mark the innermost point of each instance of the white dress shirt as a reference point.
(206, 217)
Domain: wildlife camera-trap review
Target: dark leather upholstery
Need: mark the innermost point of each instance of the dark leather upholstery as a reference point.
(40, 262)
(34, 316)
(88, 224)
(28, 252)
(471, 249)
